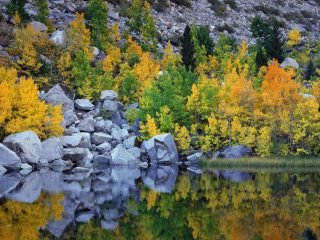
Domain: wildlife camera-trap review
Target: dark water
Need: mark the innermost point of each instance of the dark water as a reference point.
(159, 203)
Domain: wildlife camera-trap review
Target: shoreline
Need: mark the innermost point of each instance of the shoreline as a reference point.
(270, 164)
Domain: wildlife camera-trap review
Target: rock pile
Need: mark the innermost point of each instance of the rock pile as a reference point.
(95, 135)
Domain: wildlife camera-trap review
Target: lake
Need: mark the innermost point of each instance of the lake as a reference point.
(161, 202)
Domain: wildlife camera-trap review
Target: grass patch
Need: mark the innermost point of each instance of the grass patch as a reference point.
(272, 164)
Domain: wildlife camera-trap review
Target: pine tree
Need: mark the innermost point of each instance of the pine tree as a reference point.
(310, 70)
(203, 37)
(261, 58)
(43, 12)
(17, 6)
(188, 49)
(97, 16)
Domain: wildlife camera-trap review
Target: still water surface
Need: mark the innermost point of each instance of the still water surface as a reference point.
(161, 202)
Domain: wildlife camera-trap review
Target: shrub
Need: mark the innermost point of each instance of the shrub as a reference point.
(219, 8)
(17, 6)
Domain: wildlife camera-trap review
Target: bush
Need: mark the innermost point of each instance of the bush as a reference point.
(219, 8)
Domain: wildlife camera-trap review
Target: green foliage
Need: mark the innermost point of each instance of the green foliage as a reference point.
(187, 50)
(171, 90)
(43, 12)
(141, 22)
(129, 88)
(203, 36)
(311, 70)
(97, 15)
(17, 6)
(267, 34)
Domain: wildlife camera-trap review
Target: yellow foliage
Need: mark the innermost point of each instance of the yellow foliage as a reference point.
(78, 36)
(182, 136)
(294, 37)
(133, 50)
(23, 109)
(264, 143)
(146, 71)
(64, 66)
(183, 188)
(22, 220)
(169, 57)
(149, 129)
(29, 60)
(113, 58)
(115, 35)
(16, 19)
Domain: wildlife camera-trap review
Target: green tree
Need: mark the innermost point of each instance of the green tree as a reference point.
(187, 50)
(203, 37)
(43, 12)
(18, 6)
(97, 15)
(310, 72)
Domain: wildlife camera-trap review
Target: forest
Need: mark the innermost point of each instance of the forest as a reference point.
(208, 94)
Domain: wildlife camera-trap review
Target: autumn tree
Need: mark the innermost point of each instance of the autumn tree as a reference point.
(17, 6)
(294, 37)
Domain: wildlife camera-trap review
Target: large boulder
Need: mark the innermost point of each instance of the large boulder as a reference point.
(290, 62)
(74, 154)
(69, 118)
(9, 159)
(83, 104)
(52, 149)
(120, 156)
(161, 149)
(56, 96)
(72, 140)
(108, 95)
(234, 152)
(26, 144)
(59, 38)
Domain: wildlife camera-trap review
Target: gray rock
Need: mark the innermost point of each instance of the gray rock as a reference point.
(234, 152)
(108, 95)
(101, 160)
(120, 135)
(59, 38)
(86, 140)
(194, 169)
(86, 125)
(95, 51)
(27, 145)
(161, 149)
(38, 26)
(113, 15)
(74, 154)
(3, 170)
(9, 159)
(100, 126)
(60, 165)
(84, 217)
(26, 166)
(110, 106)
(103, 148)
(130, 142)
(290, 62)
(56, 96)
(120, 156)
(195, 157)
(71, 141)
(99, 138)
(135, 152)
(52, 149)
(30, 189)
(83, 104)
(70, 117)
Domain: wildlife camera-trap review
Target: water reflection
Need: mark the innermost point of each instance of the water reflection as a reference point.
(157, 203)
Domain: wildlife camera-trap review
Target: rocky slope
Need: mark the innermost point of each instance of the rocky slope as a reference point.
(231, 17)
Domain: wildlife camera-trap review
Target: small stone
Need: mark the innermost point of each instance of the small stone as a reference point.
(103, 148)
(71, 141)
(86, 125)
(108, 95)
(99, 138)
(110, 106)
(83, 104)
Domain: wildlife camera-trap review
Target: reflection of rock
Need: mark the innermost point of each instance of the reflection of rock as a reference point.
(30, 189)
(161, 149)
(9, 182)
(57, 228)
(51, 181)
(109, 225)
(161, 178)
(236, 176)
(9, 159)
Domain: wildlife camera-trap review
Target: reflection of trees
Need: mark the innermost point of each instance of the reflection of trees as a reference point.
(272, 206)
(22, 220)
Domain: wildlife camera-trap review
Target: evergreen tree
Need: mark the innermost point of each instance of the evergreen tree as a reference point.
(18, 6)
(267, 34)
(261, 58)
(310, 70)
(188, 49)
(203, 37)
(97, 16)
